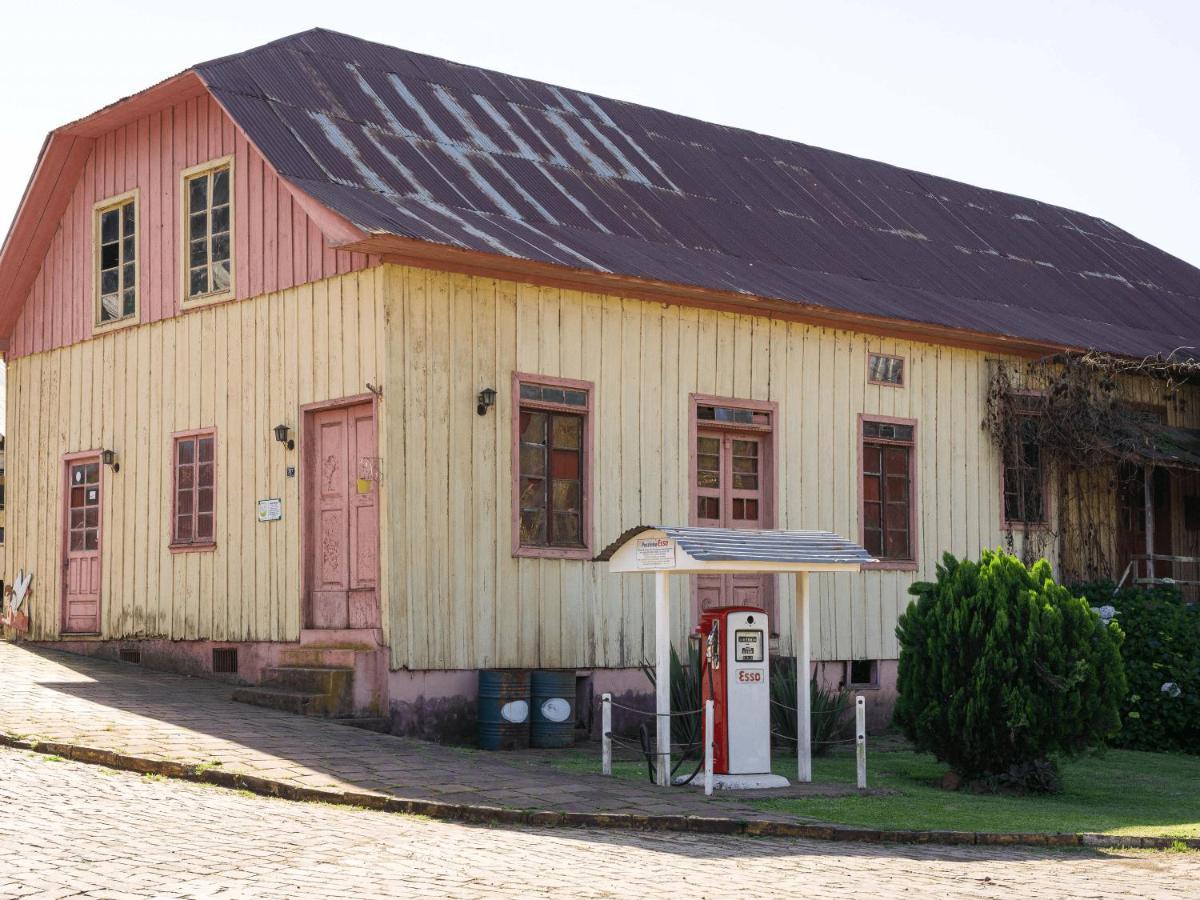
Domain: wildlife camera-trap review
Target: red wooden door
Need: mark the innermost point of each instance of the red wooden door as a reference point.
(731, 492)
(342, 517)
(81, 553)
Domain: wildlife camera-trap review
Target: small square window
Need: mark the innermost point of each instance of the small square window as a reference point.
(862, 673)
(883, 369)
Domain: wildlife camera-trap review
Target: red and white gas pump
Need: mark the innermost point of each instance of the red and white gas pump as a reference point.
(737, 679)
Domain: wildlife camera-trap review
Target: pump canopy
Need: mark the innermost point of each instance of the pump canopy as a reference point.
(663, 550)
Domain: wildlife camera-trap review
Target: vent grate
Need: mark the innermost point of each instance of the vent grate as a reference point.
(225, 660)
(130, 655)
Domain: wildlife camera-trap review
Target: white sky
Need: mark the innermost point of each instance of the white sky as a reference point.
(1091, 105)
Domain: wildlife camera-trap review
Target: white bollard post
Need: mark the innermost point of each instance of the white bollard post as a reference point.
(708, 747)
(606, 734)
(860, 738)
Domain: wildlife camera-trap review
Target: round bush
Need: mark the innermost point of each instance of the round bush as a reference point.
(1002, 671)
(1162, 665)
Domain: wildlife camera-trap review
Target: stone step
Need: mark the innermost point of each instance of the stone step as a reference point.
(381, 724)
(332, 680)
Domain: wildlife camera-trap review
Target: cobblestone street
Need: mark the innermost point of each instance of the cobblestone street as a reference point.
(69, 829)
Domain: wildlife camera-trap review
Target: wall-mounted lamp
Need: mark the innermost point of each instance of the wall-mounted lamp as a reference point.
(283, 435)
(109, 458)
(486, 400)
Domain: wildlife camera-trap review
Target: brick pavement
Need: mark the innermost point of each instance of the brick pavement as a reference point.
(64, 698)
(73, 830)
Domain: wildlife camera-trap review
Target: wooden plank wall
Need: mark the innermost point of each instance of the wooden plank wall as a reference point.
(460, 600)
(456, 598)
(276, 245)
(241, 367)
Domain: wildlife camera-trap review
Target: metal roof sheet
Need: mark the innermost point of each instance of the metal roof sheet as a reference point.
(413, 146)
(747, 545)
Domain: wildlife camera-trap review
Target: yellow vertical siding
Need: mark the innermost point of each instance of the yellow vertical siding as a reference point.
(458, 598)
(453, 594)
(240, 367)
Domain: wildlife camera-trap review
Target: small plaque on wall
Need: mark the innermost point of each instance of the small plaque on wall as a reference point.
(270, 510)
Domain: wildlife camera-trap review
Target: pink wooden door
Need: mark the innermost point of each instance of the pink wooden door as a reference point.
(342, 516)
(81, 554)
(730, 492)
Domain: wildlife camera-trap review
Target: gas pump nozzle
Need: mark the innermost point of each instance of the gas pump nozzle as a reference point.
(713, 650)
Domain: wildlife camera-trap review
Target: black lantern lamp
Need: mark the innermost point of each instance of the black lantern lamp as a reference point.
(486, 400)
(283, 435)
(109, 458)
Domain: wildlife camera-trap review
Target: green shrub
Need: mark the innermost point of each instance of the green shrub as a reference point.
(1002, 671)
(1161, 650)
(829, 709)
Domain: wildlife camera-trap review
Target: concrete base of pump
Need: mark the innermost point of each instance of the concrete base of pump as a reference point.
(746, 782)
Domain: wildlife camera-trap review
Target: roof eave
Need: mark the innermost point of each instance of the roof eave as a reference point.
(424, 254)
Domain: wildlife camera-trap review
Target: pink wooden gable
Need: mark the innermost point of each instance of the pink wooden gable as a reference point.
(281, 238)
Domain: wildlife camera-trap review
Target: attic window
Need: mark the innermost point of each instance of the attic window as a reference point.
(208, 230)
(116, 259)
(883, 369)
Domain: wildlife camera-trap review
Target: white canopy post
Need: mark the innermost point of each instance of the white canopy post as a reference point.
(803, 666)
(662, 674)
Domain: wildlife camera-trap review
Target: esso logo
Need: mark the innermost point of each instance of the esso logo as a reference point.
(750, 676)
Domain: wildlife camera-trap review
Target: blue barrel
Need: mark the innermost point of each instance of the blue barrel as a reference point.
(503, 709)
(553, 713)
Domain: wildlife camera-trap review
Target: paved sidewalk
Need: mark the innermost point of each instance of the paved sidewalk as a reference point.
(57, 697)
(128, 717)
(115, 834)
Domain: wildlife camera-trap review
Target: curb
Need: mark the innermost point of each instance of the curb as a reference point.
(497, 815)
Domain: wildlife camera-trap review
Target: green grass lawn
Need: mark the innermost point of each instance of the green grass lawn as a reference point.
(1118, 792)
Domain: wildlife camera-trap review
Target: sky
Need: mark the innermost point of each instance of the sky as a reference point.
(1088, 104)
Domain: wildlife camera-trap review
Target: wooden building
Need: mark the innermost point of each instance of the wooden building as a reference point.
(330, 353)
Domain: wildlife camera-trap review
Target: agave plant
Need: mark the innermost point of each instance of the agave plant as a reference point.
(686, 729)
(830, 721)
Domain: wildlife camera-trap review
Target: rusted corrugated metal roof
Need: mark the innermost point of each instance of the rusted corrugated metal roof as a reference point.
(409, 145)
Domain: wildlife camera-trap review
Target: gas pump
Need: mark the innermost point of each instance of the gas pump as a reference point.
(737, 679)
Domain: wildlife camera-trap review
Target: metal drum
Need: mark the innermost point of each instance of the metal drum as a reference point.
(503, 709)
(553, 713)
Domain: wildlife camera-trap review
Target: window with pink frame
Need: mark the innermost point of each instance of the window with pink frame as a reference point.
(888, 501)
(194, 500)
(552, 461)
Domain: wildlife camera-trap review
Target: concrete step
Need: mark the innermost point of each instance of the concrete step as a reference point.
(381, 724)
(342, 638)
(318, 657)
(298, 702)
(332, 680)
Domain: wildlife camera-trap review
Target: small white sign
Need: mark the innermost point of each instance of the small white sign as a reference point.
(270, 510)
(656, 553)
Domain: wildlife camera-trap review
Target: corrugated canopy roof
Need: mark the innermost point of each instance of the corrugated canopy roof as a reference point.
(821, 548)
(411, 146)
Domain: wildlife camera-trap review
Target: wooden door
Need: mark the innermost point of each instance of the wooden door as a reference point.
(1131, 519)
(81, 548)
(342, 518)
(731, 492)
